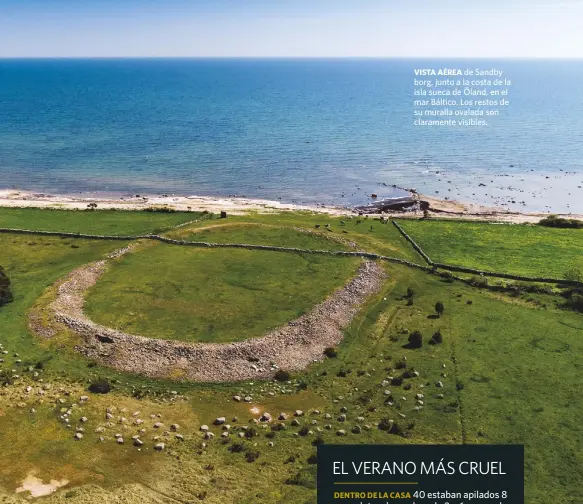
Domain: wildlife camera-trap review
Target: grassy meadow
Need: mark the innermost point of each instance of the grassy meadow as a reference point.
(510, 367)
(98, 222)
(221, 295)
(520, 249)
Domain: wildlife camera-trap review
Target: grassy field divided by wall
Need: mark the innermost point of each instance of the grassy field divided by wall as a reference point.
(511, 372)
(518, 249)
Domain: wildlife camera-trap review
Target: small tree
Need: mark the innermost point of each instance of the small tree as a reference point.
(437, 337)
(439, 308)
(415, 339)
(410, 293)
(5, 292)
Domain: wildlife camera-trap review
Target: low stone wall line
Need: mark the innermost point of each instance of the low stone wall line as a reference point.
(413, 243)
(331, 253)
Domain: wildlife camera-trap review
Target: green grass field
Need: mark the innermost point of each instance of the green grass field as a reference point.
(511, 374)
(221, 295)
(233, 231)
(519, 249)
(100, 222)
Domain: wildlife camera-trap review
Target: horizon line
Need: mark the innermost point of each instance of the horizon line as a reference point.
(234, 57)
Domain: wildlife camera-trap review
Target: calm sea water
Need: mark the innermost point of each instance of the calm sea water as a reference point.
(330, 131)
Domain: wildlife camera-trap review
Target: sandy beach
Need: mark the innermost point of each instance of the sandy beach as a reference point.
(439, 208)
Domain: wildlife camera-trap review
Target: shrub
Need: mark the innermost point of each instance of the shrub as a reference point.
(318, 441)
(250, 433)
(402, 364)
(5, 292)
(575, 302)
(447, 276)
(100, 386)
(6, 378)
(331, 352)
(574, 275)
(560, 222)
(390, 426)
(251, 456)
(236, 448)
(282, 375)
(479, 281)
(410, 293)
(302, 385)
(416, 339)
(437, 338)
(439, 308)
(365, 398)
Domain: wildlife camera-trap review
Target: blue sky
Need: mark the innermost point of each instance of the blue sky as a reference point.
(301, 28)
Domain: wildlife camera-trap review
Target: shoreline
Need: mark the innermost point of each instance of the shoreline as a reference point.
(402, 207)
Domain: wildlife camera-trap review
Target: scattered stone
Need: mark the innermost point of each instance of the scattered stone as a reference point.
(119, 440)
(299, 413)
(138, 442)
(282, 416)
(78, 436)
(341, 433)
(237, 398)
(439, 384)
(204, 428)
(174, 427)
(220, 420)
(159, 446)
(266, 417)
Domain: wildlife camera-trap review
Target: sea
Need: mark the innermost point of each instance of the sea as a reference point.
(331, 131)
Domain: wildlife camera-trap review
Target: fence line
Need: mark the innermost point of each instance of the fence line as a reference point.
(338, 253)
